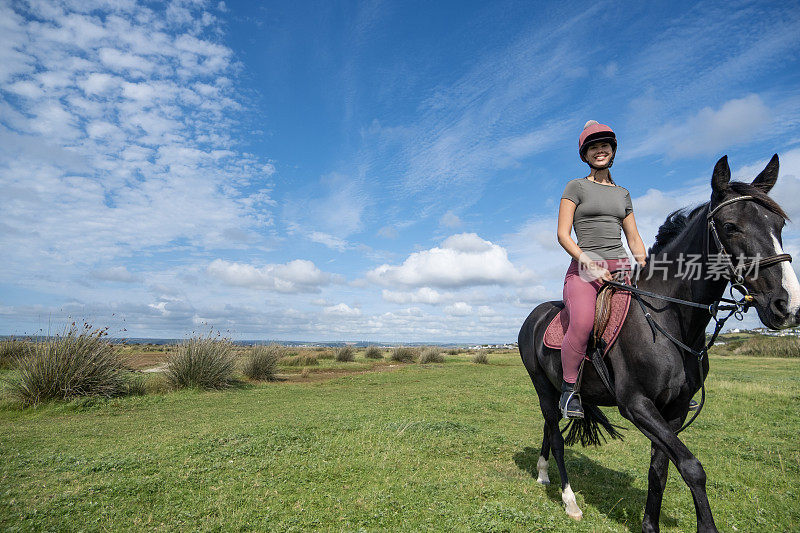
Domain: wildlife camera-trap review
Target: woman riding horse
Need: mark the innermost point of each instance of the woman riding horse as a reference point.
(597, 208)
(659, 359)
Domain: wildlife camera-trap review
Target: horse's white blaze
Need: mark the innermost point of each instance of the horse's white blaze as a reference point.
(568, 498)
(789, 281)
(541, 465)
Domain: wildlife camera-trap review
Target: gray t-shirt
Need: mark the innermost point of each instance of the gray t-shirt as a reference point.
(598, 216)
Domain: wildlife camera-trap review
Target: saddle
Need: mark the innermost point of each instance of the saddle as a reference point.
(610, 311)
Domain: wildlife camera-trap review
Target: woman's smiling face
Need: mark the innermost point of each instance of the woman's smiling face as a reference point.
(599, 154)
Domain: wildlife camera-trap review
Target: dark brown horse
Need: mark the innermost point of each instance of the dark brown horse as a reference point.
(653, 377)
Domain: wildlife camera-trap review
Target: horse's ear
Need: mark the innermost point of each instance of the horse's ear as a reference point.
(721, 176)
(768, 176)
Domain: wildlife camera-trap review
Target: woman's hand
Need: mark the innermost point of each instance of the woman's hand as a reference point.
(594, 269)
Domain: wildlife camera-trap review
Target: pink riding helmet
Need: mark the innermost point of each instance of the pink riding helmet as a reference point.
(594, 132)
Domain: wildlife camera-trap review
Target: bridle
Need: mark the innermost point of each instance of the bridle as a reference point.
(736, 307)
(735, 273)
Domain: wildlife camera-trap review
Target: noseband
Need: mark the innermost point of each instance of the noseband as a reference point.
(735, 272)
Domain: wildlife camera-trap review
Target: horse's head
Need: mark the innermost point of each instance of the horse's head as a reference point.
(751, 229)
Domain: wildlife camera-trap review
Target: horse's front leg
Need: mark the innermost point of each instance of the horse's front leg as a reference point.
(645, 416)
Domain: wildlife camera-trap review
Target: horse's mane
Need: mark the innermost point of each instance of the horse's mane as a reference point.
(677, 221)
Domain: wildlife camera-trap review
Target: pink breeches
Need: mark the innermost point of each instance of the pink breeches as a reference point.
(580, 297)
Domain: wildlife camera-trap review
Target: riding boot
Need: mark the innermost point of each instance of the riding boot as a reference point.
(570, 402)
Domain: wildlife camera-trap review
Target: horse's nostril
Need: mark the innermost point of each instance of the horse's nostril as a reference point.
(779, 306)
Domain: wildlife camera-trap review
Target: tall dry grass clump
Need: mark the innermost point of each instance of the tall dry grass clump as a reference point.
(11, 350)
(78, 362)
(346, 354)
(770, 346)
(480, 357)
(261, 362)
(404, 354)
(431, 354)
(324, 354)
(203, 362)
(301, 359)
(373, 352)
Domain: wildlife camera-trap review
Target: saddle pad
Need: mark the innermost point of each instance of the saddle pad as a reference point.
(620, 302)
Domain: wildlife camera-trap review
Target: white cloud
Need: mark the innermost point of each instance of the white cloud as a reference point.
(122, 145)
(117, 273)
(458, 309)
(450, 220)
(424, 295)
(328, 240)
(462, 260)
(342, 310)
(707, 132)
(388, 232)
(295, 276)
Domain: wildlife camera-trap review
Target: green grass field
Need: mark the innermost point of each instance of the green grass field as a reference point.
(448, 446)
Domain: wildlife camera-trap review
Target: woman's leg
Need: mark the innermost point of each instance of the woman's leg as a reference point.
(579, 297)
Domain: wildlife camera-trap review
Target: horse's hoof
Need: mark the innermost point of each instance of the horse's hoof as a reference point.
(570, 505)
(576, 516)
(541, 465)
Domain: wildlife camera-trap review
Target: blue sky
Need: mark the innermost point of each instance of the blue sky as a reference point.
(357, 171)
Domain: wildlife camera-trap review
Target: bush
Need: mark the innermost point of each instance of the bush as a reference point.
(12, 350)
(404, 354)
(261, 361)
(770, 346)
(346, 354)
(303, 359)
(325, 354)
(373, 352)
(431, 355)
(77, 363)
(481, 357)
(203, 362)
(453, 351)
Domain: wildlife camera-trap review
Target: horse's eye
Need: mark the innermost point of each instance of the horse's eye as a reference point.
(730, 227)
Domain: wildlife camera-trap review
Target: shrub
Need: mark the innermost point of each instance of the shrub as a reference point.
(345, 354)
(11, 350)
(261, 361)
(77, 363)
(431, 355)
(453, 351)
(373, 352)
(481, 357)
(770, 346)
(325, 354)
(203, 362)
(303, 359)
(404, 354)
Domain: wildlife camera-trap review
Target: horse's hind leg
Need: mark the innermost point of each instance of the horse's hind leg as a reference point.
(548, 401)
(541, 464)
(657, 480)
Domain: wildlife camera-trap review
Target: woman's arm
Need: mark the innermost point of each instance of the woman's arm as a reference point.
(635, 242)
(566, 214)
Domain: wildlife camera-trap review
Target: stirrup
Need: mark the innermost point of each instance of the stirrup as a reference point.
(693, 405)
(570, 411)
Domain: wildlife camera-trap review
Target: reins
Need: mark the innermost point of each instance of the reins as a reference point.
(735, 307)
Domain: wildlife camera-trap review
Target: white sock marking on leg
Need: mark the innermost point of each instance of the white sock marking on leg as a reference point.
(541, 465)
(568, 497)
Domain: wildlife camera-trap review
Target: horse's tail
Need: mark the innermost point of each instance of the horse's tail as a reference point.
(589, 429)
